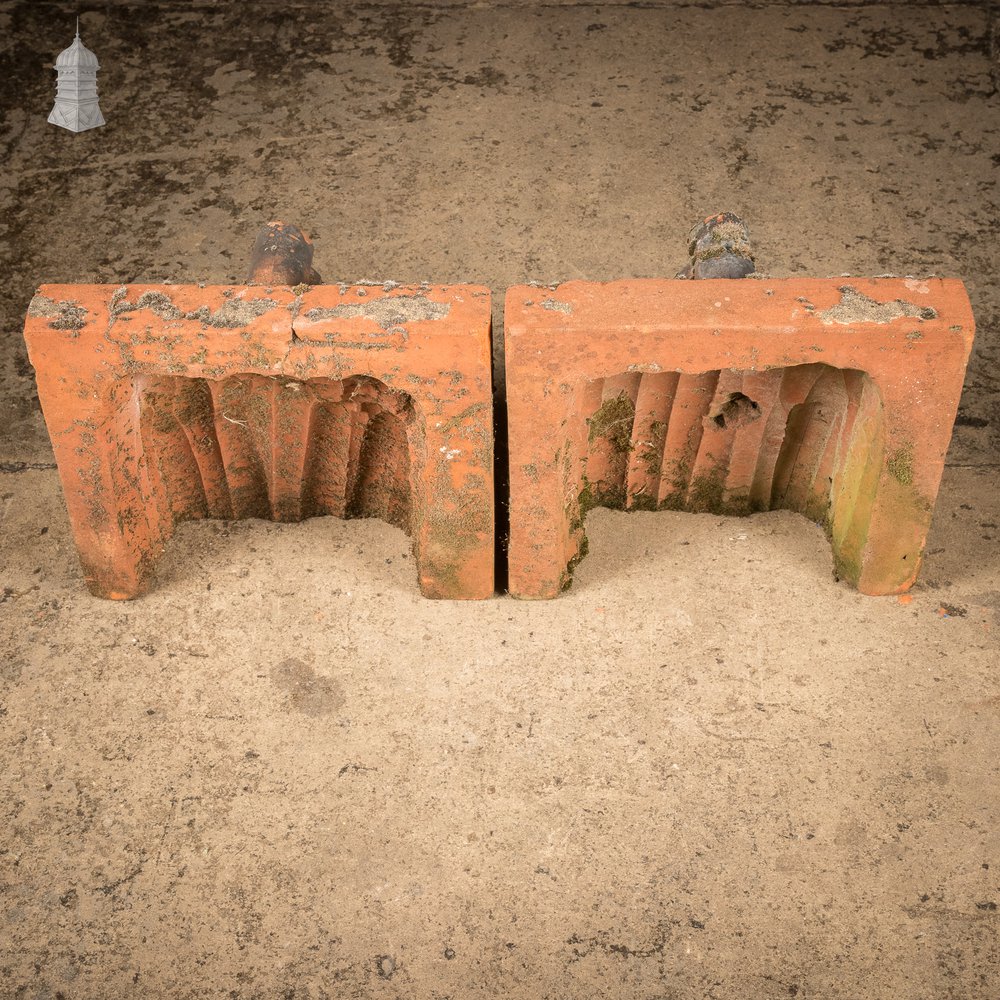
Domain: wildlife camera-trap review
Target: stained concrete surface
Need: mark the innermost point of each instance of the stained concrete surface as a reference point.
(709, 770)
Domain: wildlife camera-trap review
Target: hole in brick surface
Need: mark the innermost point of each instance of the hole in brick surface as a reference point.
(807, 438)
(737, 411)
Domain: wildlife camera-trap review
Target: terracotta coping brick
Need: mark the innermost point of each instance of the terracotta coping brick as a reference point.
(169, 402)
(833, 397)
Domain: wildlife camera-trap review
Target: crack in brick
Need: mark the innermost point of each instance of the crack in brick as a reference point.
(110, 888)
(582, 947)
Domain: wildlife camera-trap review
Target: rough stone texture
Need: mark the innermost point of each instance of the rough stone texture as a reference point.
(704, 772)
(835, 400)
(282, 255)
(176, 402)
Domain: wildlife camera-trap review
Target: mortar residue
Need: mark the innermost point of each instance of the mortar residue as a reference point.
(232, 314)
(855, 307)
(555, 306)
(387, 313)
(64, 315)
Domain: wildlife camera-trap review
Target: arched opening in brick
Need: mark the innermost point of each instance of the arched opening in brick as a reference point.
(807, 438)
(277, 448)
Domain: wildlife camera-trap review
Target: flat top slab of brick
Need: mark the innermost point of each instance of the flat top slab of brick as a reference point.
(753, 323)
(260, 329)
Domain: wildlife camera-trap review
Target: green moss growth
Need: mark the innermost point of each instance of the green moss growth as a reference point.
(706, 494)
(673, 501)
(566, 580)
(613, 422)
(846, 567)
(817, 509)
(739, 507)
(585, 502)
(900, 465)
(610, 495)
(643, 501)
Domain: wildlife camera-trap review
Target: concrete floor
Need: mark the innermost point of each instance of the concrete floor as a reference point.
(709, 770)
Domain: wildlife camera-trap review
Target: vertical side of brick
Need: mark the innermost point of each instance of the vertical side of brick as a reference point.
(451, 452)
(174, 477)
(98, 448)
(908, 472)
(856, 486)
(382, 488)
(810, 426)
(546, 526)
(292, 411)
(244, 470)
(195, 413)
(181, 448)
(326, 489)
(794, 385)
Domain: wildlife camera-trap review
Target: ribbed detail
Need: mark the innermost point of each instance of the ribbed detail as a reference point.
(732, 442)
(278, 449)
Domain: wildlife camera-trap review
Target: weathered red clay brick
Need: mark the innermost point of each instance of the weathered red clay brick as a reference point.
(832, 397)
(172, 402)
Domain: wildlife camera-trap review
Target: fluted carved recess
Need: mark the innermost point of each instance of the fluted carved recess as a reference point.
(278, 449)
(807, 438)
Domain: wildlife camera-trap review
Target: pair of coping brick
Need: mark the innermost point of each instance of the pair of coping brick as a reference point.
(832, 397)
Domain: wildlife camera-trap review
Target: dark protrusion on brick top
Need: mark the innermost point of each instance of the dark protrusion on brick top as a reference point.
(282, 255)
(719, 247)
